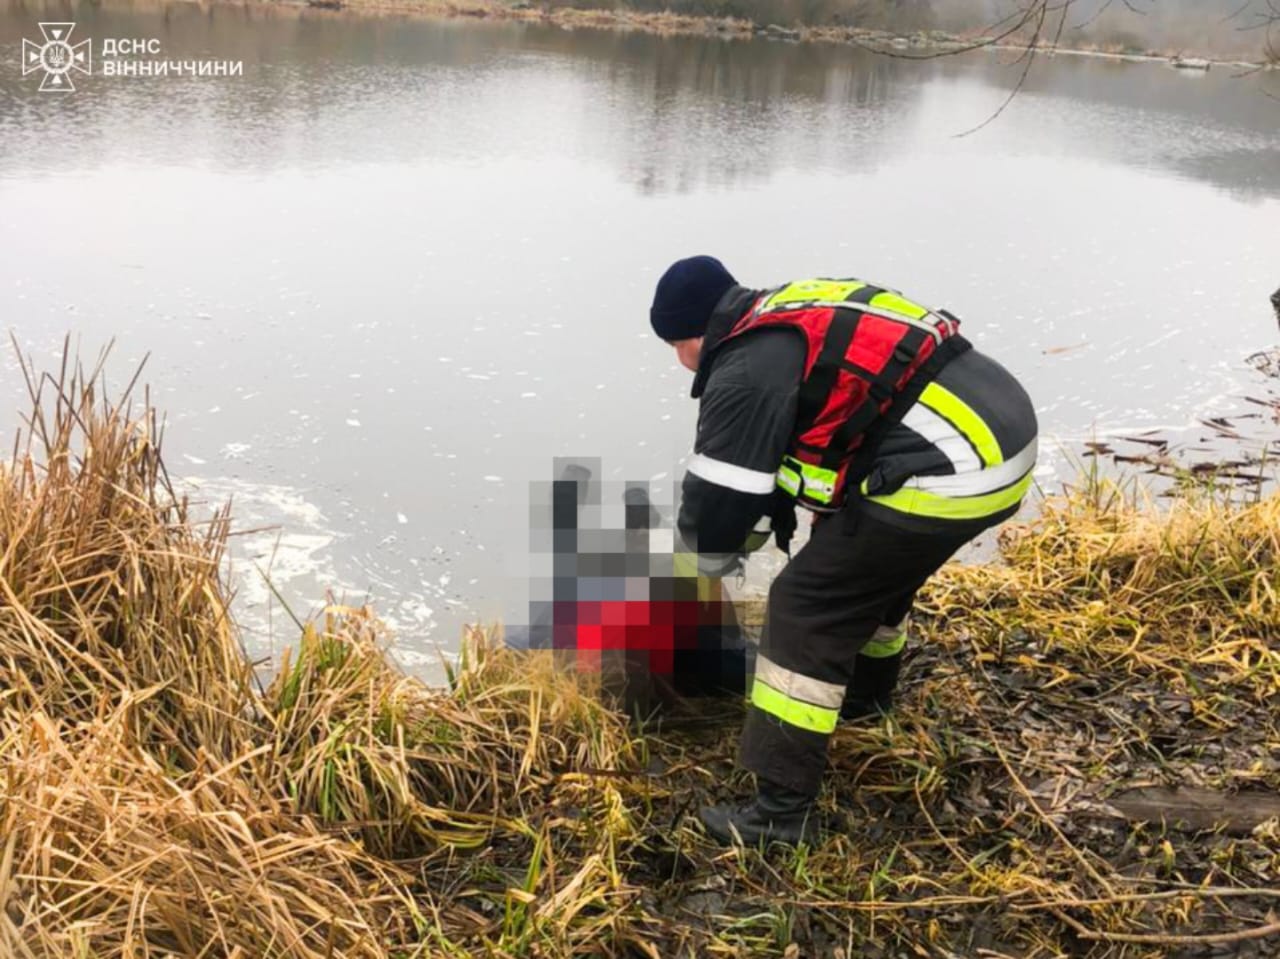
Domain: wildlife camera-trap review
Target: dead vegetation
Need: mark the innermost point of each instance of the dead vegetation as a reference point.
(153, 802)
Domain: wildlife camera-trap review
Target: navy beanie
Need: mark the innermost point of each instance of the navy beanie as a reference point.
(686, 296)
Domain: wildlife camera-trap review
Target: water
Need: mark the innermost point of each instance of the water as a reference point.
(389, 272)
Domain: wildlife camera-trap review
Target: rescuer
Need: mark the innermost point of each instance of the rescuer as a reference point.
(875, 414)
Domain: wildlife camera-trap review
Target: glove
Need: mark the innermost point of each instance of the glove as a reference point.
(759, 536)
(707, 569)
(783, 515)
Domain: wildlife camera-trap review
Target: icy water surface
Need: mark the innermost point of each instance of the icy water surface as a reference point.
(389, 272)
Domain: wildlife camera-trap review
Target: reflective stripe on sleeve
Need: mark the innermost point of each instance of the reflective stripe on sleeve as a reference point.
(732, 477)
(981, 482)
(919, 502)
(943, 434)
(945, 403)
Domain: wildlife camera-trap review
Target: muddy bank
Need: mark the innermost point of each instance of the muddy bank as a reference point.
(1083, 760)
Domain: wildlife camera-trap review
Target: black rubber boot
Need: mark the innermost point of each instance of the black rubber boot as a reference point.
(777, 814)
(870, 695)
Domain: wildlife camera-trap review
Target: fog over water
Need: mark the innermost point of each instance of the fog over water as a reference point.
(392, 270)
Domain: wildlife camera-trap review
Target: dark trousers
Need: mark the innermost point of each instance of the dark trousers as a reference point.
(855, 574)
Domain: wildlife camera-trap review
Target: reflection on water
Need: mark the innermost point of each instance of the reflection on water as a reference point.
(669, 114)
(398, 265)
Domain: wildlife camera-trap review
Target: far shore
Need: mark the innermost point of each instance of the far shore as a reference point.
(923, 44)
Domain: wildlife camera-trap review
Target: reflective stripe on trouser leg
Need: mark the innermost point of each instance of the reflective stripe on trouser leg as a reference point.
(783, 754)
(790, 717)
(885, 642)
(795, 706)
(823, 608)
(796, 699)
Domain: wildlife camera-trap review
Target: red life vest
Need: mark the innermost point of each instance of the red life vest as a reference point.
(869, 353)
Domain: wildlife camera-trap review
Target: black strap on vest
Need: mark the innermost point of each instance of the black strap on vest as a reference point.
(831, 359)
(868, 420)
(865, 295)
(863, 460)
(814, 391)
(883, 388)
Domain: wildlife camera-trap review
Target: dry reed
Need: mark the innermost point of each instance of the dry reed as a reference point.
(154, 803)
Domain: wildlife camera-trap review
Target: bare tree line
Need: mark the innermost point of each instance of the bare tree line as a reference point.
(1047, 19)
(1042, 25)
(1038, 26)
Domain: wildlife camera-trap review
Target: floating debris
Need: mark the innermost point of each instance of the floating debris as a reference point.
(1058, 350)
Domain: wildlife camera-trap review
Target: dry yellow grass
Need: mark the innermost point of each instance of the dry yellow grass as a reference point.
(154, 803)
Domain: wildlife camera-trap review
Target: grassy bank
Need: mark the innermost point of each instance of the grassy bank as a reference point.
(155, 801)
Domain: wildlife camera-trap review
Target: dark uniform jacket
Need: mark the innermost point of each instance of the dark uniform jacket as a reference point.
(747, 417)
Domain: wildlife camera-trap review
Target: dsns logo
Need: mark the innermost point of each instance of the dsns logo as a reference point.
(56, 57)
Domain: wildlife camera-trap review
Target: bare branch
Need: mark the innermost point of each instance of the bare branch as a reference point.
(1026, 69)
(1004, 28)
